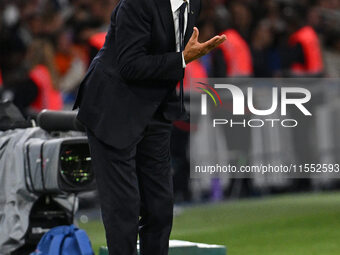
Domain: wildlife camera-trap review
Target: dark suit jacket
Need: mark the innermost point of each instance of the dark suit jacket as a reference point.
(135, 73)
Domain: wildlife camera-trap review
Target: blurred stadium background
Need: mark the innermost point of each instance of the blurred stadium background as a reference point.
(47, 45)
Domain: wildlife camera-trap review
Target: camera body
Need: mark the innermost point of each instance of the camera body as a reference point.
(58, 165)
(41, 172)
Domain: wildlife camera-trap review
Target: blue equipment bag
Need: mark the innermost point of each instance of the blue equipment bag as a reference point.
(64, 240)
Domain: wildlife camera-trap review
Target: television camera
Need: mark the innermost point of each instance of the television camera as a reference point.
(44, 164)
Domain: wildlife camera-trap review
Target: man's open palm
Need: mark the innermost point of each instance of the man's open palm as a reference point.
(195, 49)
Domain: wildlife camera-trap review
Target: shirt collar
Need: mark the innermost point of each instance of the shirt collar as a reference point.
(175, 4)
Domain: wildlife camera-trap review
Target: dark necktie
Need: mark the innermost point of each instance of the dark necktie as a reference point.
(181, 42)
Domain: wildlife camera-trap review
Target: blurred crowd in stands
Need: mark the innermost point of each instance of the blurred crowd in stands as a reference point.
(46, 47)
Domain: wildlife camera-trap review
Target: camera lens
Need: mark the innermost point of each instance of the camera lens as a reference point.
(75, 162)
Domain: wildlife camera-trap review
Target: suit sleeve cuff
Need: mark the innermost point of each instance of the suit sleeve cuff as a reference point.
(183, 61)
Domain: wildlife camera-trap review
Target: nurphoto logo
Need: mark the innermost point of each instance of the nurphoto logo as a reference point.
(243, 102)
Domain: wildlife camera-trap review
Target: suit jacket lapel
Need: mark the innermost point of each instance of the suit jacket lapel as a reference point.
(190, 23)
(164, 8)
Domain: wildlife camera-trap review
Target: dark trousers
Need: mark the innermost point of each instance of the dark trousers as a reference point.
(136, 191)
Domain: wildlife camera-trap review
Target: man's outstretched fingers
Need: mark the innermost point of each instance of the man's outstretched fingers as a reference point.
(210, 42)
(195, 50)
(219, 40)
(214, 42)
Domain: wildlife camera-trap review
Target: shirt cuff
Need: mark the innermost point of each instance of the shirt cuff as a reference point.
(183, 61)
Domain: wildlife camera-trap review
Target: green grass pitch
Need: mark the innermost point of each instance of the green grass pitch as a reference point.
(304, 224)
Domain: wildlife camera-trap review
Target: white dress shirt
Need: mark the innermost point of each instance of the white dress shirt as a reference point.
(175, 5)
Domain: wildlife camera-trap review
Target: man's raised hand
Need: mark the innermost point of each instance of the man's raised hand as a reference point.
(195, 49)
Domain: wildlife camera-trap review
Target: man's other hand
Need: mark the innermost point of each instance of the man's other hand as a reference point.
(195, 49)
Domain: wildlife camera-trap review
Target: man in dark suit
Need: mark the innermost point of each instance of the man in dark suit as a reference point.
(127, 102)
